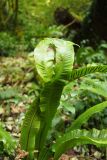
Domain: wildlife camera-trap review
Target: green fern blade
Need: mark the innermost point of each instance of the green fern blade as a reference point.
(95, 86)
(45, 154)
(49, 102)
(86, 115)
(79, 137)
(77, 73)
(30, 129)
(8, 141)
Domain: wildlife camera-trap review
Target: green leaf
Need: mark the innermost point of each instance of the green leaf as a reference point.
(45, 154)
(54, 62)
(67, 105)
(94, 85)
(87, 114)
(77, 73)
(8, 141)
(30, 129)
(79, 137)
(49, 102)
(53, 58)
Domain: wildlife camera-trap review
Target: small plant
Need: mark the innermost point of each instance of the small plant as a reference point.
(8, 44)
(91, 55)
(7, 143)
(54, 60)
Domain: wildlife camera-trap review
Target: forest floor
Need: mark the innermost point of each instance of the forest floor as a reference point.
(17, 93)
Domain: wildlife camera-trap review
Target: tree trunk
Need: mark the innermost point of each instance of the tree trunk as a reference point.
(16, 12)
(94, 26)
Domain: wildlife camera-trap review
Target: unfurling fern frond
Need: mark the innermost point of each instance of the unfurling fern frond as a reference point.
(54, 58)
(77, 73)
(86, 115)
(79, 137)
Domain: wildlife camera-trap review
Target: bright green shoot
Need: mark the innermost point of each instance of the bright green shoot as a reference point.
(54, 60)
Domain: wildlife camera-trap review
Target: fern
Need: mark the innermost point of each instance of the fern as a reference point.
(9, 143)
(77, 73)
(30, 129)
(79, 137)
(53, 58)
(54, 62)
(45, 153)
(95, 86)
(49, 101)
(87, 114)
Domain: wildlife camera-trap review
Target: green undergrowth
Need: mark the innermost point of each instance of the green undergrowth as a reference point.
(36, 22)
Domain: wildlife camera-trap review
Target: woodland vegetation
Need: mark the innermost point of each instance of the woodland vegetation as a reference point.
(53, 78)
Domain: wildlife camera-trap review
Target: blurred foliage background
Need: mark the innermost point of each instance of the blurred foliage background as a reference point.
(26, 22)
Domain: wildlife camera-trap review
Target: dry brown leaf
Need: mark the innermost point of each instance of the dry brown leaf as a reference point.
(21, 154)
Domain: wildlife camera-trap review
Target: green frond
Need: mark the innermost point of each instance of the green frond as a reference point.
(54, 58)
(49, 101)
(77, 73)
(86, 115)
(95, 86)
(30, 129)
(79, 137)
(45, 154)
(9, 93)
(8, 141)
